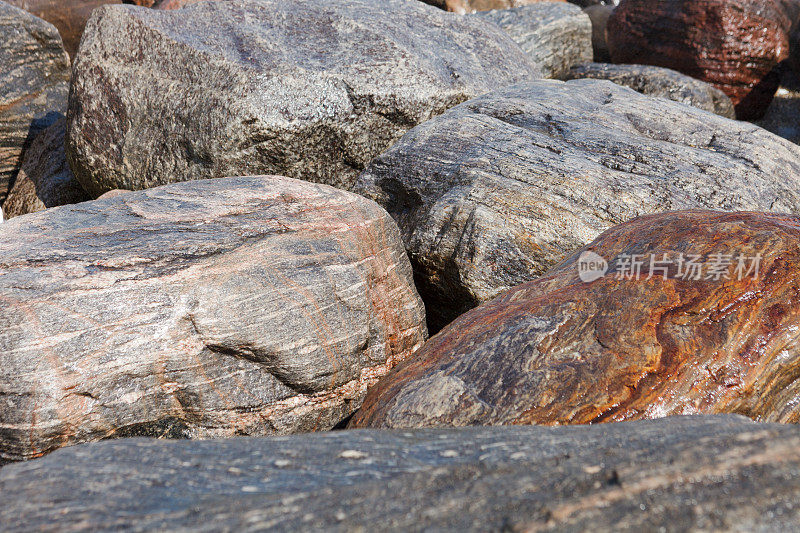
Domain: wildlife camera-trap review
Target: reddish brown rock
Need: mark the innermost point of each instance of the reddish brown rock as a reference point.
(559, 350)
(735, 46)
(69, 16)
(471, 6)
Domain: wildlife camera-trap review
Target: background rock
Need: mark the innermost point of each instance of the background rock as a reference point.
(45, 179)
(309, 89)
(471, 6)
(735, 46)
(34, 82)
(783, 114)
(497, 190)
(175, 4)
(657, 81)
(682, 473)
(555, 35)
(599, 14)
(206, 309)
(656, 340)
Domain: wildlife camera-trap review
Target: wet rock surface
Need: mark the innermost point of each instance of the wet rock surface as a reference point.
(499, 189)
(555, 35)
(697, 313)
(34, 82)
(211, 308)
(657, 81)
(734, 46)
(312, 90)
(45, 179)
(691, 473)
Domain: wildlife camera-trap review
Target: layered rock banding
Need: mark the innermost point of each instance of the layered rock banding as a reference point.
(214, 308)
(497, 190)
(308, 89)
(734, 46)
(687, 312)
(34, 83)
(555, 35)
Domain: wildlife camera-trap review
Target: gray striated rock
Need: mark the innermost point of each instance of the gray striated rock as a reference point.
(309, 89)
(211, 308)
(500, 188)
(34, 82)
(555, 35)
(721, 473)
(658, 81)
(45, 179)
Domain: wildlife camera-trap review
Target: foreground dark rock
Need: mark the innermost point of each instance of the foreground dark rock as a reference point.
(68, 16)
(680, 474)
(309, 89)
(499, 189)
(205, 309)
(34, 82)
(657, 81)
(45, 179)
(734, 46)
(555, 35)
(708, 325)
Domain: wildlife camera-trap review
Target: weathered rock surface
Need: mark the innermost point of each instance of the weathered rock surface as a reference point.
(599, 15)
(679, 474)
(68, 16)
(472, 6)
(211, 308)
(34, 83)
(735, 46)
(696, 314)
(555, 35)
(309, 89)
(657, 81)
(45, 179)
(497, 190)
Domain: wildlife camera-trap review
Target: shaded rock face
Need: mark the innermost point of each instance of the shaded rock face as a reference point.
(45, 179)
(497, 190)
(68, 16)
(657, 81)
(206, 309)
(309, 89)
(472, 6)
(599, 15)
(682, 473)
(706, 323)
(555, 35)
(734, 46)
(34, 83)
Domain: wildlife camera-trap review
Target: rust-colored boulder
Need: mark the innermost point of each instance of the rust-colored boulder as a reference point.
(635, 343)
(69, 16)
(735, 46)
(471, 6)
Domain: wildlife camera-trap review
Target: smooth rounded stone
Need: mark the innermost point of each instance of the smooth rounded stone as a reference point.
(497, 190)
(113, 193)
(689, 312)
(599, 15)
(555, 35)
(239, 306)
(473, 6)
(734, 46)
(657, 81)
(45, 179)
(309, 89)
(68, 16)
(694, 473)
(34, 84)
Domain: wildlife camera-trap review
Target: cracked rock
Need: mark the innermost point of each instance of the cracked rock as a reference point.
(699, 473)
(497, 190)
(689, 312)
(307, 89)
(213, 308)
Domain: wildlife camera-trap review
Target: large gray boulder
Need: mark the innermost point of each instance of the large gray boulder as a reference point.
(34, 83)
(703, 473)
(556, 35)
(308, 89)
(497, 190)
(658, 81)
(211, 308)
